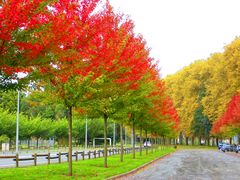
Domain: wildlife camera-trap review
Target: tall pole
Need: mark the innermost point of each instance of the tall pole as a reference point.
(17, 125)
(114, 134)
(86, 135)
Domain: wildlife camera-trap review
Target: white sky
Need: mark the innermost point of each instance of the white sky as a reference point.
(182, 31)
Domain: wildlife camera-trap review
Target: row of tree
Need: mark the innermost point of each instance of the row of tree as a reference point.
(41, 128)
(202, 91)
(89, 58)
(43, 116)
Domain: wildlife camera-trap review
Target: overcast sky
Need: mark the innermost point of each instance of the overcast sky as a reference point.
(182, 31)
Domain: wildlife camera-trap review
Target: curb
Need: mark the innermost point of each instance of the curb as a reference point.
(125, 175)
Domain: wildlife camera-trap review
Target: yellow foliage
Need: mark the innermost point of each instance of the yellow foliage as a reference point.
(219, 75)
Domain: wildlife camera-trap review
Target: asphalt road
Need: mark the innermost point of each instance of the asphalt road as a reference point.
(193, 165)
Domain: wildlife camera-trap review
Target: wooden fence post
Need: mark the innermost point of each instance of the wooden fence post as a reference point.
(89, 154)
(35, 159)
(48, 158)
(17, 158)
(83, 153)
(59, 157)
(76, 153)
(94, 153)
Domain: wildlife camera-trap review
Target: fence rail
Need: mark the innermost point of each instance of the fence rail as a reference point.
(79, 155)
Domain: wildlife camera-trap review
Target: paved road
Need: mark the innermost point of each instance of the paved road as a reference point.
(193, 165)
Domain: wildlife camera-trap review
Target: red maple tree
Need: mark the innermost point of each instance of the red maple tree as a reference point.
(22, 25)
(231, 117)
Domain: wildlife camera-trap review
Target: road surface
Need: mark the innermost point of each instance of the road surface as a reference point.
(193, 165)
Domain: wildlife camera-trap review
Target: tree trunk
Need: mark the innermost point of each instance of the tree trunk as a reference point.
(174, 141)
(146, 143)
(10, 143)
(208, 141)
(180, 138)
(125, 136)
(199, 140)
(193, 139)
(156, 143)
(213, 143)
(187, 141)
(217, 141)
(37, 142)
(151, 145)
(133, 131)
(121, 139)
(105, 140)
(28, 143)
(230, 140)
(70, 141)
(238, 138)
(141, 141)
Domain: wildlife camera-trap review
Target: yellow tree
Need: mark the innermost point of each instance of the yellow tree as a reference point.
(186, 87)
(224, 81)
(179, 87)
(206, 84)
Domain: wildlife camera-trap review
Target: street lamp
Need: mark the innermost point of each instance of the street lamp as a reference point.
(86, 133)
(17, 125)
(114, 134)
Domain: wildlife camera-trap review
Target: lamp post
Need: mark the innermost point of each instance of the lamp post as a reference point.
(114, 134)
(86, 133)
(132, 137)
(17, 124)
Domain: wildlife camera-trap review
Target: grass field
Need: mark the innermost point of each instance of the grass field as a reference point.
(87, 169)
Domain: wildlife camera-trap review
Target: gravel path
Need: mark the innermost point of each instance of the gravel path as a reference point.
(193, 165)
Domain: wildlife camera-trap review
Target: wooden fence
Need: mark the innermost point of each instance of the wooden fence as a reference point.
(79, 155)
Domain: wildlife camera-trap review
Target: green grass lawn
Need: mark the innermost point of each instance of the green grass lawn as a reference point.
(87, 169)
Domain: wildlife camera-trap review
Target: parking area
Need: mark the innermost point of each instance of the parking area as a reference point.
(193, 165)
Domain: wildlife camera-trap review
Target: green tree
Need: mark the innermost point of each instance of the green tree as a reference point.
(8, 100)
(42, 103)
(60, 131)
(7, 124)
(201, 125)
